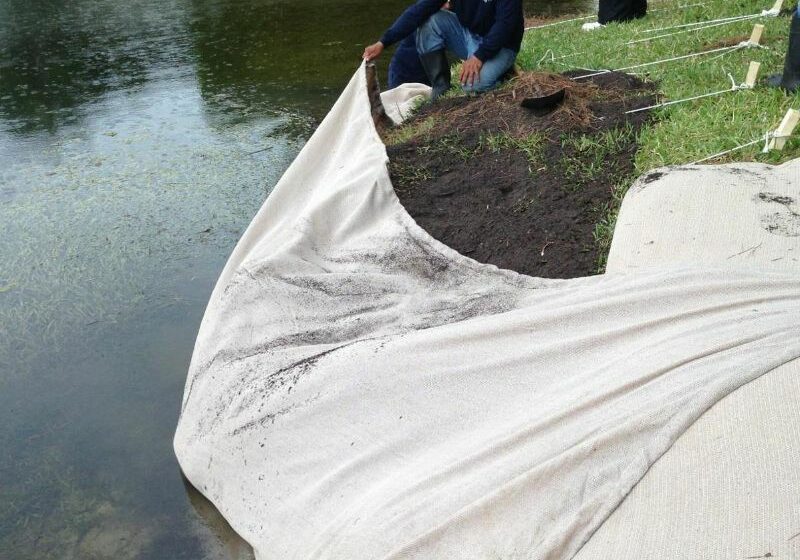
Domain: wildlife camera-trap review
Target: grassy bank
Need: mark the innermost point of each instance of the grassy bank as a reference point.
(674, 135)
(690, 131)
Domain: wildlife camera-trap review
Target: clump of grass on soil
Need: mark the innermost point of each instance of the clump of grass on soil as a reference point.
(518, 188)
(513, 162)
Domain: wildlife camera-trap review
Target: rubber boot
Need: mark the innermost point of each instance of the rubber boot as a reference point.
(437, 68)
(790, 80)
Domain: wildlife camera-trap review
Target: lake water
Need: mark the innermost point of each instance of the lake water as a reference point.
(137, 139)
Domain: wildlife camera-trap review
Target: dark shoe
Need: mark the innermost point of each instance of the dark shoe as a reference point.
(437, 68)
(774, 80)
(790, 80)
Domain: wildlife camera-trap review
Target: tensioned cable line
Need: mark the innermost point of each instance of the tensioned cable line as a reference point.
(743, 18)
(556, 58)
(721, 49)
(683, 7)
(770, 135)
(741, 45)
(720, 154)
(559, 22)
(581, 18)
(734, 87)
(706, 22)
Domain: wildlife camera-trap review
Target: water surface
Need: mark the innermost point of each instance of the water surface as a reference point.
(137, 139)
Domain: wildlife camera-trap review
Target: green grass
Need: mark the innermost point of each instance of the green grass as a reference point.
(401, 134)
(592, 154)
(532, 145)
(690, 131)
(684, 132)
(679, 134)
(451, 144)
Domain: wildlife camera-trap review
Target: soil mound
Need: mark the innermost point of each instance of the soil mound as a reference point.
(523, 189)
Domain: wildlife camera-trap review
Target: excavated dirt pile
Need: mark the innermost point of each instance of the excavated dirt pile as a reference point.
(524, 189)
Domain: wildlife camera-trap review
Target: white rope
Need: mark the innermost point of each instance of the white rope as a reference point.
(770, 135)
(552, 57)
(559, 22)
(566, 56)
(683, 7)
(727, 151)
(555, 60)
(660, 61)
(679, 101)
(581, 18)
(646, 39)
(706, 22)
(745, 18)
(743, 45)
(734, 87)
(767, 137)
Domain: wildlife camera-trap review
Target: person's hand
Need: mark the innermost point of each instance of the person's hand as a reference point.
(373, 51)
(470, 71)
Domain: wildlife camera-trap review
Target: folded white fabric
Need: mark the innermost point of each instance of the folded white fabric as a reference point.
(401, 101)
(360, 391)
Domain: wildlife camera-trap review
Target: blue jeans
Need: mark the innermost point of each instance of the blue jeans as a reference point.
(443, 30)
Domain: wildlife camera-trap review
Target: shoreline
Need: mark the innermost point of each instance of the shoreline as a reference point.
(674, 135)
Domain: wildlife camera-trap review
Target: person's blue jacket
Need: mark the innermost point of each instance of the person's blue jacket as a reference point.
(499, 22)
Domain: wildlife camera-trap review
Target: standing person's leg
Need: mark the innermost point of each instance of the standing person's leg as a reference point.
(608, 11)
(620, 10)
(441, 32)
(640, 9)
(790, 79)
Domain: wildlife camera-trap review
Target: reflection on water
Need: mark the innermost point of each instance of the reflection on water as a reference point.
(137, 139)
(228, 541)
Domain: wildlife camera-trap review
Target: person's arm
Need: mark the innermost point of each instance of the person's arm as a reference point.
(414, 16)
(507, 17)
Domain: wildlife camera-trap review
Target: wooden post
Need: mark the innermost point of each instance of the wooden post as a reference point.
(785, 129)
(752, 74)
(755, 37)
(777, 6)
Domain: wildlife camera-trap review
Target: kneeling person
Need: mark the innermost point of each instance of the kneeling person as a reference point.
(486, 34)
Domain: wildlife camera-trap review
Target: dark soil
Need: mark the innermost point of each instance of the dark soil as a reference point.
(519, 188)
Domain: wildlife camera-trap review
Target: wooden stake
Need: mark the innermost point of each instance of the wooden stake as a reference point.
(755, 38)
(752, 74)
(777, 7)
(787, 126)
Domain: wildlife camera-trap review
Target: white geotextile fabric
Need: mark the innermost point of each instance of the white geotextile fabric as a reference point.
(729, 487)
(399, 102)
(735, 215)
(359, 390)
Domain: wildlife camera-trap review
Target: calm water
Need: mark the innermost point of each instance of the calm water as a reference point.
(137, 139)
